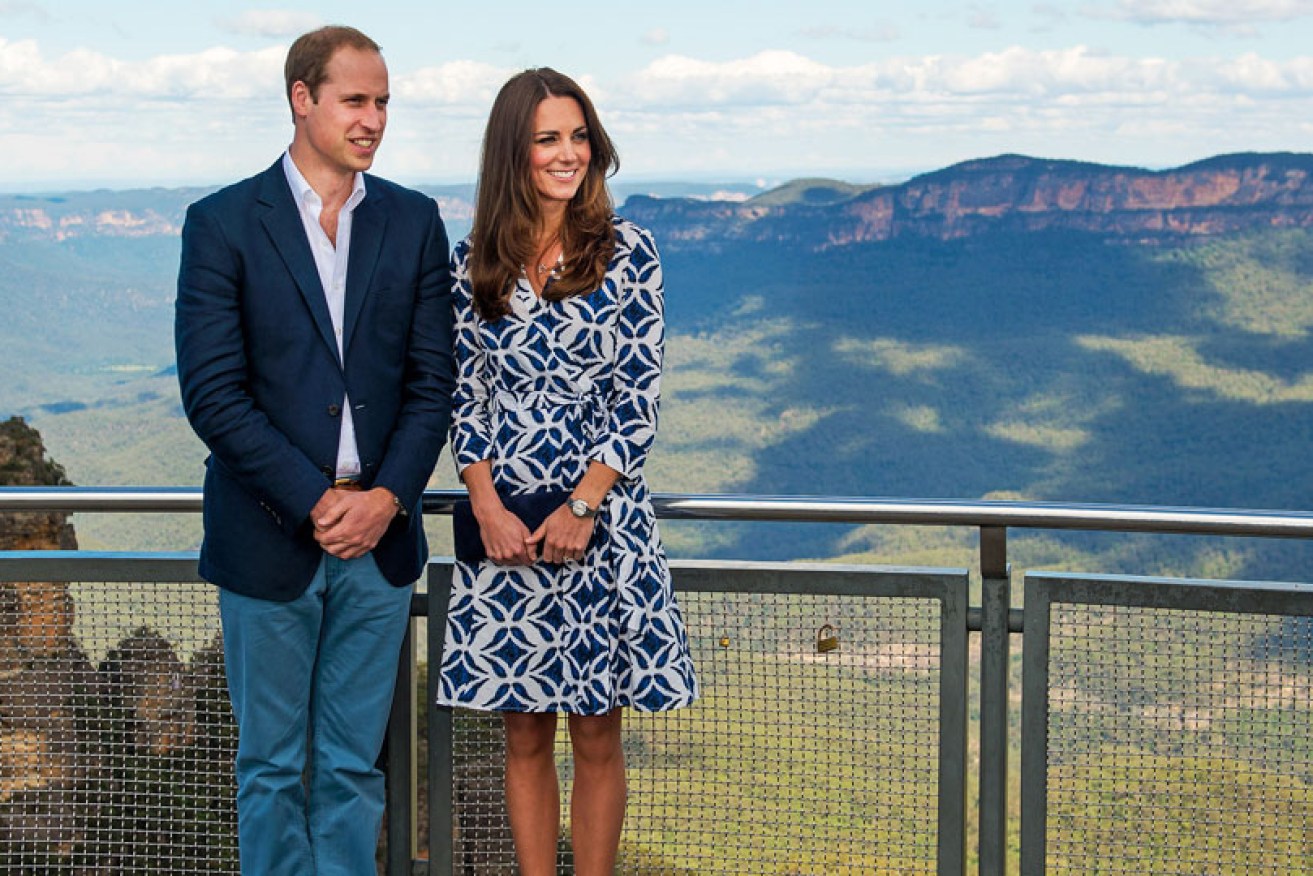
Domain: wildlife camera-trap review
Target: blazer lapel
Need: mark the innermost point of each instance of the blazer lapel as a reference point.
(282, 222)
(368, 224)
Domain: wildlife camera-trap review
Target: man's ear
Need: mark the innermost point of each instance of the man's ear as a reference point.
(301, 99)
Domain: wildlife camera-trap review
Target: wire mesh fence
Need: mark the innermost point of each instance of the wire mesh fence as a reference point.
(1178, 738)
(116, 738)
(1174, 731)
(794, 761)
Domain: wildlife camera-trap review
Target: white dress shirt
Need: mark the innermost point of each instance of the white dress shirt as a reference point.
(331, 261)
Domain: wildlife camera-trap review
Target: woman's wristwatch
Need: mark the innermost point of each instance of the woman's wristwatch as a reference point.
(580, 508)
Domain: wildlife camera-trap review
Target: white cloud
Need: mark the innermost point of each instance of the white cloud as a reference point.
(471, 83)
(271, 23)
(983, 18)
(1227, 14)
(879, 32)
(783, 112)
(765, 78)
(1079, 73)
(214, 74)
(24, 9)
(657, 36)
(1254, 75)
(1052, 12)
(217, 114)
(677, 82)
(1048, 73)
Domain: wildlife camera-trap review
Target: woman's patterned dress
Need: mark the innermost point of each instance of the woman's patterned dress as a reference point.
(541, 392)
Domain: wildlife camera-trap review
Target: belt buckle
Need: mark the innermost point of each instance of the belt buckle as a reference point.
(351, 484)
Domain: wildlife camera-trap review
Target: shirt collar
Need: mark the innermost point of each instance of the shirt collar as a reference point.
(304, 194)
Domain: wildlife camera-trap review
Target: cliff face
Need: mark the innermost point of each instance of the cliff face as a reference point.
(138, 213)
(1014, 193)
(41, 667)
(38, 616)
(76, 738)
(23, 463)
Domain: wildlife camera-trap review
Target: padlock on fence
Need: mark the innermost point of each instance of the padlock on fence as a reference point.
(827, 640)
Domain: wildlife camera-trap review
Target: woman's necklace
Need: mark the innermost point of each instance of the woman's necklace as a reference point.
(553, 271)
(549, 269)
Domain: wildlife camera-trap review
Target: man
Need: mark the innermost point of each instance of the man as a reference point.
(314, 355)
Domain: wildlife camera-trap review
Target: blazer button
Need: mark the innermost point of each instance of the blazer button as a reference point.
(327, 471)
(334, 410)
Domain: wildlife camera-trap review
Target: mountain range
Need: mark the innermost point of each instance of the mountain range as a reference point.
(1006, 327)
(1008, 194)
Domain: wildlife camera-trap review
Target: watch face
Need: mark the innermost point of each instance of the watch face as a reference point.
(578, 507)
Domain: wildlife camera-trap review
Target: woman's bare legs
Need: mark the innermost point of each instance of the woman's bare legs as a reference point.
(597, 802)
(533, 796)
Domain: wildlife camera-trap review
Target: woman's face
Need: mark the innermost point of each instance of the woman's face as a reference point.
(558, 157)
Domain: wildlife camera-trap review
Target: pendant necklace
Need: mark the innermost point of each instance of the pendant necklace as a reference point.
(553, 270)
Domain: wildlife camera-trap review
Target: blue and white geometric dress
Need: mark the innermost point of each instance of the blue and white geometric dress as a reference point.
(541, 392)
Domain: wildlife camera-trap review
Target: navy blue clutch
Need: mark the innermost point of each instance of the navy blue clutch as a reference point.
(532, 508)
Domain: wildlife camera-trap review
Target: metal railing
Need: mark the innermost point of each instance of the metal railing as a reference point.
(1181, 708)
(749, 652)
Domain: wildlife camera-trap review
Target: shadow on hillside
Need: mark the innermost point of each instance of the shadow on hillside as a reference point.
(980, 382)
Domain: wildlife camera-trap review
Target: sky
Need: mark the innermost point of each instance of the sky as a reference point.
(132, 93)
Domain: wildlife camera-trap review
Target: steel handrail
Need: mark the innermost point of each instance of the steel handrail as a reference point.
(796, 509)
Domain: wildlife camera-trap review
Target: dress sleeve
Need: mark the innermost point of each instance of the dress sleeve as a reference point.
(471, 429)
(640, 347)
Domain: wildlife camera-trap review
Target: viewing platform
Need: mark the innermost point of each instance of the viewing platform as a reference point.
(855, 719)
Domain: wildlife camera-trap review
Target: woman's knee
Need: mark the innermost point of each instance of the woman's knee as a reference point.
(596, 738)
(529, 734)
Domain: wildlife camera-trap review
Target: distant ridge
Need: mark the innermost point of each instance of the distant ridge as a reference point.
(1008, 193)
(1011, 193)
(811, 192)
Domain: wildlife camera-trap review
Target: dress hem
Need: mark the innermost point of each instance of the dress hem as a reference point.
(562, 710)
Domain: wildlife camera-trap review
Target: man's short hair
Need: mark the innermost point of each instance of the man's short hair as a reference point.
(307, 59)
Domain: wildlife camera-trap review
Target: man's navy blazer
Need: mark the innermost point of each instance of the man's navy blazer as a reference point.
(263, 385)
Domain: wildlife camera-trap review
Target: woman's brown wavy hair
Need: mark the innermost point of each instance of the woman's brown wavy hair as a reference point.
(507, 218)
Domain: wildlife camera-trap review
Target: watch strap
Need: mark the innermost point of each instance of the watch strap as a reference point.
(575, 502)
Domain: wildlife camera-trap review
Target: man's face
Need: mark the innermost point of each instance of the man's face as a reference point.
(341, 129)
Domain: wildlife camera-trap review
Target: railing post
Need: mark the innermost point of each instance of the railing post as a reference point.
(995, 604)
(401, 763)
(441, 773)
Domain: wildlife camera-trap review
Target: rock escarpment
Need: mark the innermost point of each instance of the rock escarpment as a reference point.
(99, 765)
(1013, 194)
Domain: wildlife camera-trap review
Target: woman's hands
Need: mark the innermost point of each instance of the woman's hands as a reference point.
(505, 537)
(562, 537)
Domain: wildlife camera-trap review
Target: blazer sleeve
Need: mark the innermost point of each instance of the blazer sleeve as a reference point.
(430, 375)
(213, 374)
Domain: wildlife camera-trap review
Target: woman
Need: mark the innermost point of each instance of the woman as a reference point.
(559, 338)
